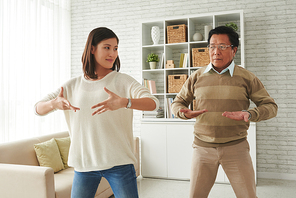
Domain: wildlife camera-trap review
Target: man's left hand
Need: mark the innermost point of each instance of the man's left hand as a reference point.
(237, 115)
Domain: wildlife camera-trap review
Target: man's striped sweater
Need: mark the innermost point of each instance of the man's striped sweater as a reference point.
(218, 93)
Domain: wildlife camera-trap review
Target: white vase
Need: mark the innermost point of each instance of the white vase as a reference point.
(155, 34)
(207, 30)
(152, 65)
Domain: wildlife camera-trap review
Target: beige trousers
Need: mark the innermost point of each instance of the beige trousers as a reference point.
(236, 162)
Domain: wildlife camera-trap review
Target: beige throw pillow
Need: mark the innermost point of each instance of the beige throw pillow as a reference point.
(64, 145)
(48, 155)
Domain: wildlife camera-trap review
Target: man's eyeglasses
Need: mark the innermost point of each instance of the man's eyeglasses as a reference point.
(220, 46)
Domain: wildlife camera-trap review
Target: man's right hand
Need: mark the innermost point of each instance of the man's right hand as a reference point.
(192, 114)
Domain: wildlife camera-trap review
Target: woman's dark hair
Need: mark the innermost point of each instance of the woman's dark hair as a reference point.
(232, 35)
(94, 38)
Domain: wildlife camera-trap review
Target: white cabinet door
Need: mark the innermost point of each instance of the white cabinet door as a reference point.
(252, 142)
(220, 178)
(179, 150)
(166, 150)
(153, 149)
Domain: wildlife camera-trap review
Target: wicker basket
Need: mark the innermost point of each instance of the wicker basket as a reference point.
(200, 57)
(177, 33)
(175, 82)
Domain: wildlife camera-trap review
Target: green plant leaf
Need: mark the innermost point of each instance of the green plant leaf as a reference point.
(152, 58)
(232, 25)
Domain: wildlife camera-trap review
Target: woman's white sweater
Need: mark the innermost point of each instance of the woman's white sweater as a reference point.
(102, 141)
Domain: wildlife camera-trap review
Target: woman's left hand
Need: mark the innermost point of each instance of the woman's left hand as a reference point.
(113, 102)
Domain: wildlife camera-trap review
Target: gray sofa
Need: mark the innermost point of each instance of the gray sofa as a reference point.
(21, 175)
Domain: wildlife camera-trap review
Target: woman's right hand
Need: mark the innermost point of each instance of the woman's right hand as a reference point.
(62, 103)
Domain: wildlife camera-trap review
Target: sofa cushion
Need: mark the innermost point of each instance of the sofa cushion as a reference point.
(64, 145)
(48, 155)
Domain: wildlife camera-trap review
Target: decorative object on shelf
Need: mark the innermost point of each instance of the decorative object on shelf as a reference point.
(155, 34)
(200, 57)
(176, 82)
(170, 64)
(152, 65)
(177, 33)
(152, 59)
(160, 113)
(197, 36)
(207, 30)
(232, 25)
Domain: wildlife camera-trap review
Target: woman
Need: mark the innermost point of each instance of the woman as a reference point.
(98, 109)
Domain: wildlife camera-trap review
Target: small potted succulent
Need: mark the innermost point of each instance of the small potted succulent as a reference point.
(152, 59)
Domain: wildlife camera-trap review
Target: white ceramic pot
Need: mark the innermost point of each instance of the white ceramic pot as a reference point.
(152, 65)
(155, 34)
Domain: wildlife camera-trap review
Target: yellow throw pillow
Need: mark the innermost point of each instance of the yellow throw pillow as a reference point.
(64, 146)
(48, 155)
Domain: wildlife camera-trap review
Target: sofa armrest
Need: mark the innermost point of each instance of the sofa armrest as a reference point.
(137, 154)
(26, 181)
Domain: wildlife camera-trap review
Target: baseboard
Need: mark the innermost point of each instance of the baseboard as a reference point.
(285, 176)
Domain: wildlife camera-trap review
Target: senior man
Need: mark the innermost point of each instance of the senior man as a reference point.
(222, 92)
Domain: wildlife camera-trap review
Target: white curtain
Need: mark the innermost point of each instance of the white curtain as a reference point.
(35, 50)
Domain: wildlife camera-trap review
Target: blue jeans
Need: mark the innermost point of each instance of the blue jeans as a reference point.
(122, 179)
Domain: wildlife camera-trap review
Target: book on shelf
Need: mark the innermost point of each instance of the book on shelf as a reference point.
(169, 109)
(181, 60)
(185, 61)
(150, 85)
(161, 64)
(149, 114)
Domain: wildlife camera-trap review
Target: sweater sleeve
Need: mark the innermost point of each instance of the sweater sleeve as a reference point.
(184, 97)
(136, 90)
(266, 108)
(48, 97)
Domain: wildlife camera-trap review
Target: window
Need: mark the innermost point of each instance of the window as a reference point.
(35, 49)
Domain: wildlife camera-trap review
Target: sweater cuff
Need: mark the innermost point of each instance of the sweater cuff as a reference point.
(253, 115)
(182, 115)
(250, 115)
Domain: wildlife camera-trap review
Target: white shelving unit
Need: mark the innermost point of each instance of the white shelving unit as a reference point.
(166, 143)
(173, 51)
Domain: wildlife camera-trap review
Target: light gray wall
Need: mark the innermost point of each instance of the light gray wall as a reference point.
(270, 40)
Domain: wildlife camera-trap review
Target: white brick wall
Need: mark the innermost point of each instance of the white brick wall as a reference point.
(270, 38)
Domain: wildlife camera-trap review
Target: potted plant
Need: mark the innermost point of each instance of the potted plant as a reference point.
(152, 59)
(232, 25)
